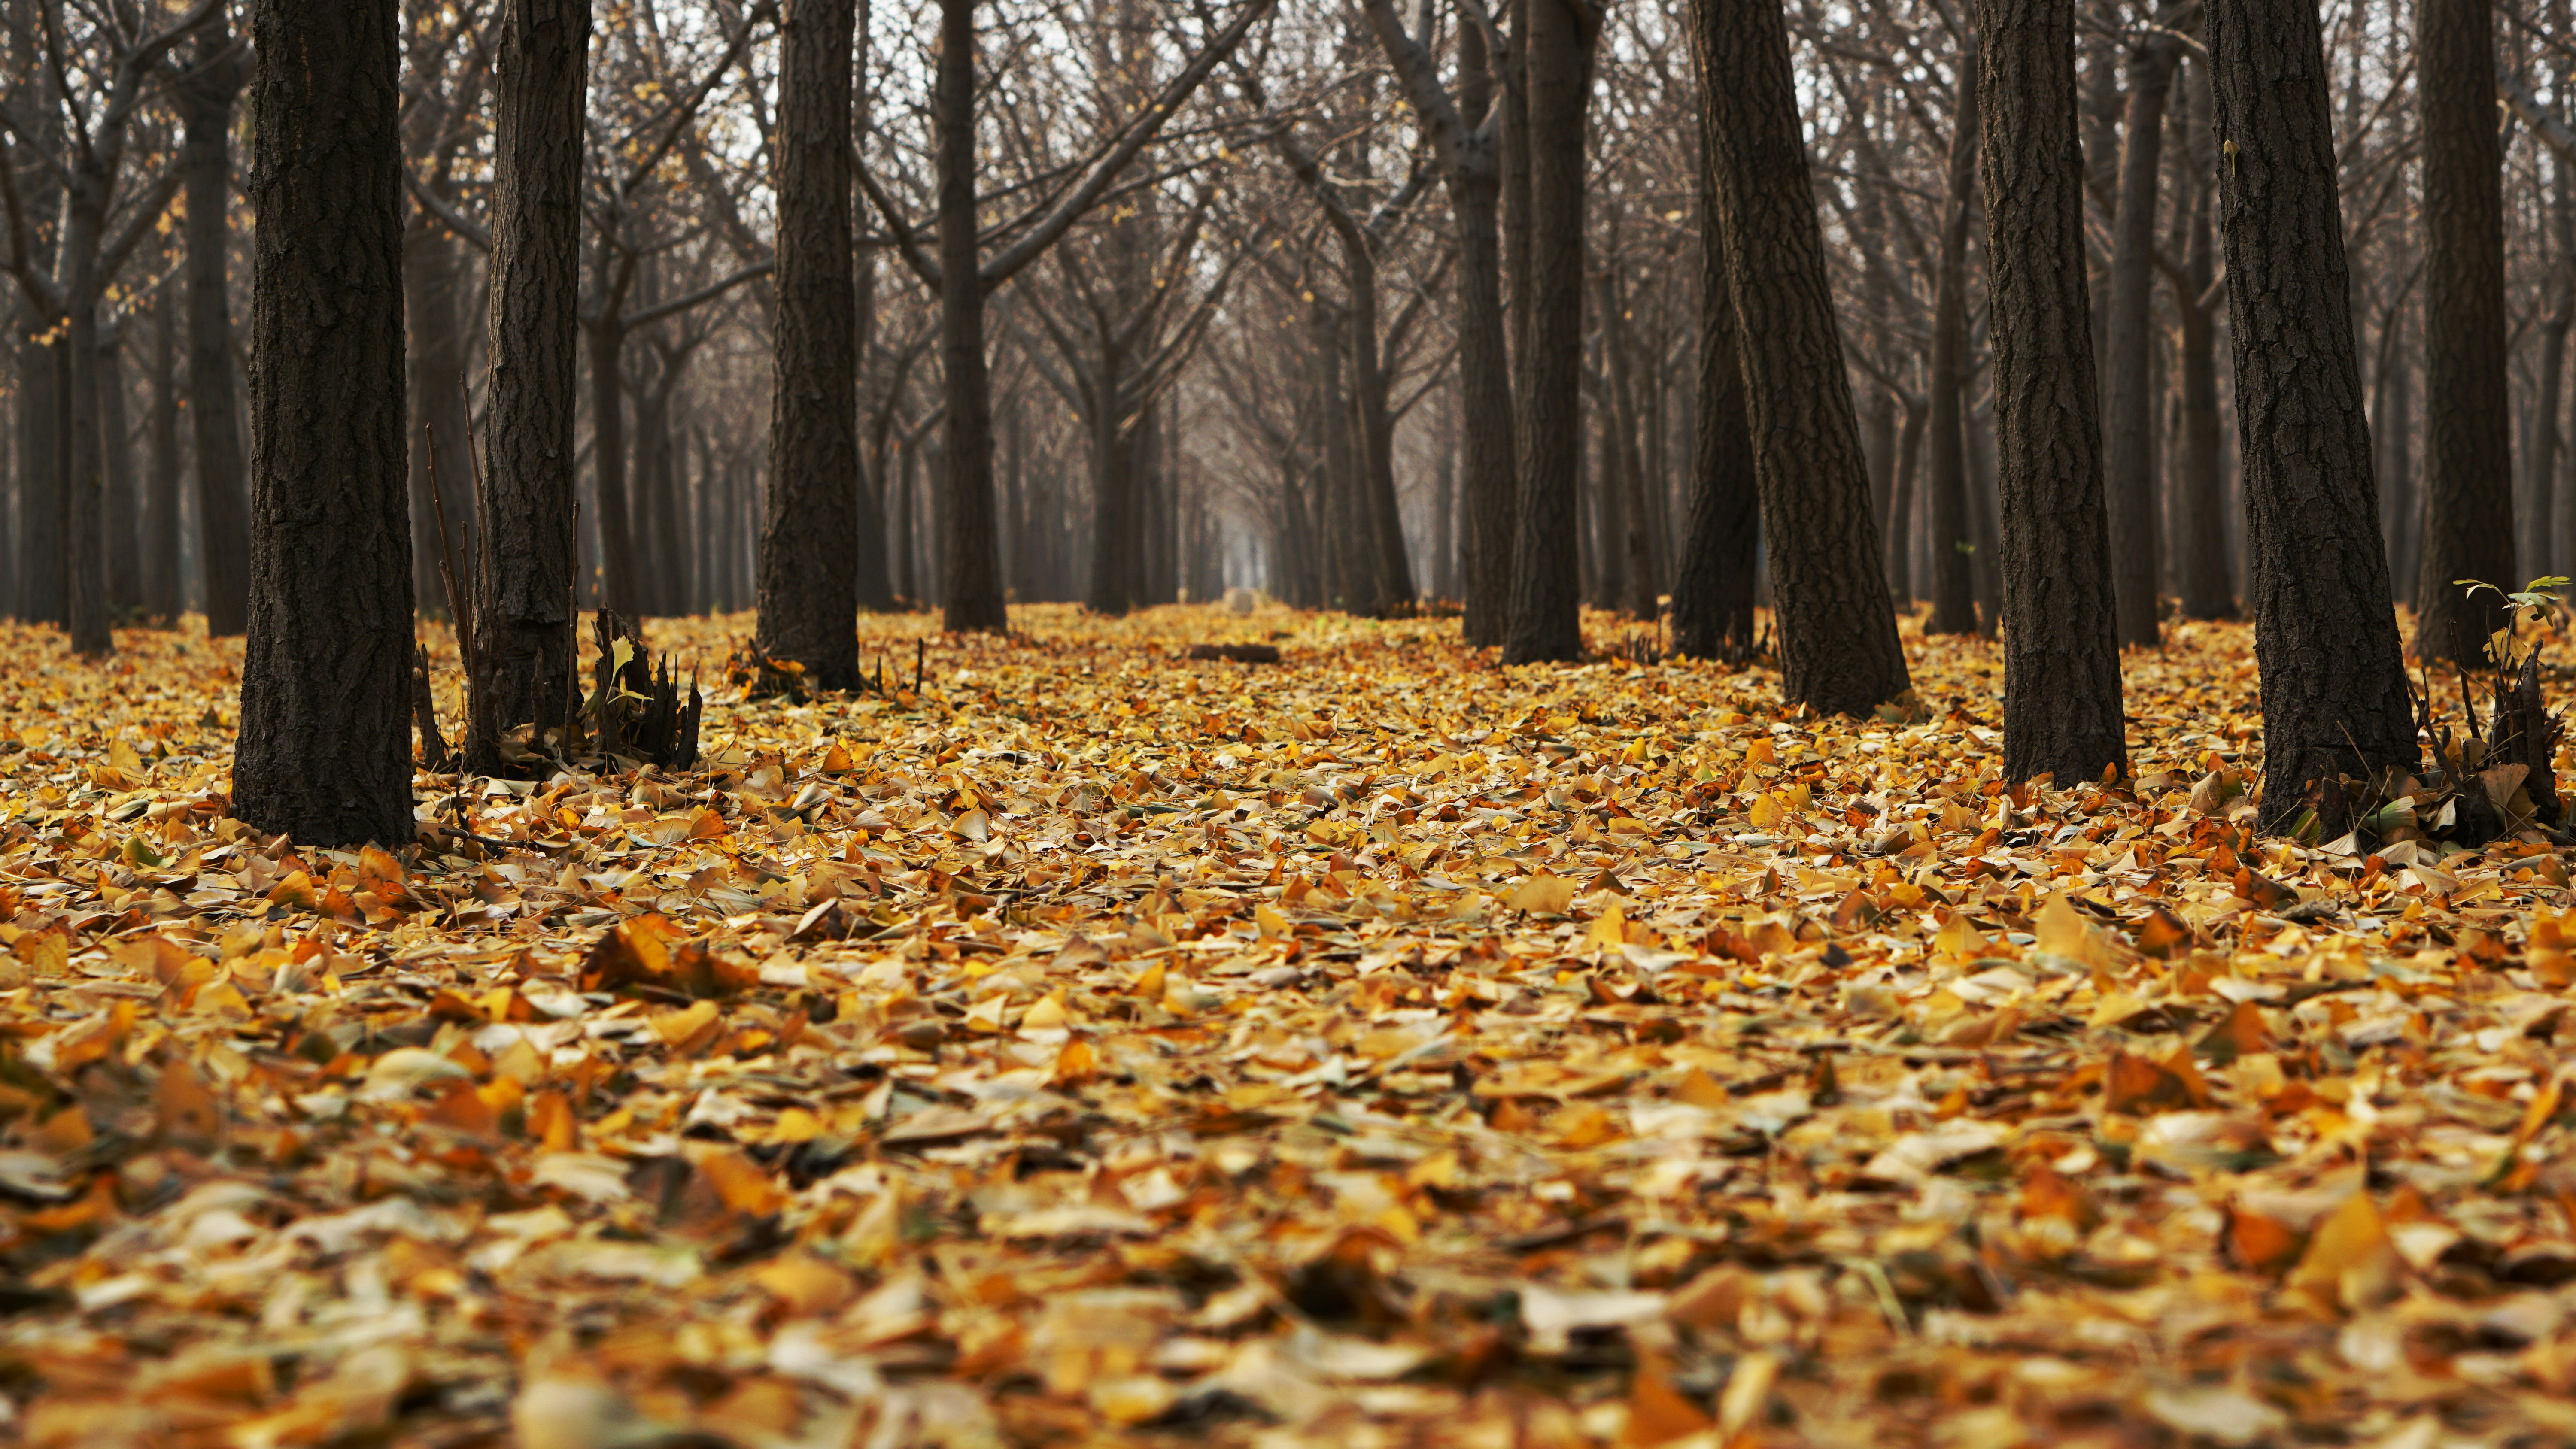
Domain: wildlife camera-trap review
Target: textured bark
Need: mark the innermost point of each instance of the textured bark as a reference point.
(971, 576)
(1954, 607)
(1838, 647)
(2468, 420)
(2061, 659)
(212, 81)
(324, 749)
(522, 672)
(809, 542)
(2128, 359)
(2334, 686)
(161, 593)
(1713, 583)
(1547, 619)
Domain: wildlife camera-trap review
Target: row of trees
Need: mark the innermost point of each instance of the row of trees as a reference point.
(1507, 305)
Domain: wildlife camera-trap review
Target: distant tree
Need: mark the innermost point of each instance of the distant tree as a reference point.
(217, 67)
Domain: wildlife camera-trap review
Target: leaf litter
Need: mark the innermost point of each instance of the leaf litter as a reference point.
(1092, 1044)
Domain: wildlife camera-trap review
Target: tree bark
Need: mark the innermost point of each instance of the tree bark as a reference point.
(324, 748)
(123, 511)
(434, 314)
(161, 594)
(2200, 535)
(1838, 647)
(2468, 421)
(1547, 616)
(2061, 658)
(809, 542)
(211, 83)
(1901, 504)
(40, 493)
(2129, 342)
(1713, 585)
(970, 578)
(525, 645)
(2334, 687)
(1954, 605)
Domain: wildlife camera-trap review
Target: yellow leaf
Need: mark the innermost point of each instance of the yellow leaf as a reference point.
(1543, 892)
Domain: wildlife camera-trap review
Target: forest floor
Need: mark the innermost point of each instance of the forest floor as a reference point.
(1377, 1048)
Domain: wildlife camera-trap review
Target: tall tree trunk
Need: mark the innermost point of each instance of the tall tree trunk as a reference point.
(210, 83)
(2128, 359)
(809, 542)
(2468, 422)
(85, 603)
(1713, 585)
(2333, 685)
(1489, 469)
(435, 315)
(1954, 607)
(1902, 503)
(162, 599)
(1382, 517)
(525, 644)
(971, 578)
(1547, 618)
(621, 587)
(123, 512)
(324, 748)
(40, 492)
(2208, 582)
(1644, 584)
(1838, 647)
(2061, 659)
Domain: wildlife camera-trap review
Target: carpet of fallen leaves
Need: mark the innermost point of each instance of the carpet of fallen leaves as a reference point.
(1086, 1045)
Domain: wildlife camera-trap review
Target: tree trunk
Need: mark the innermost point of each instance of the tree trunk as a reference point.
(1382, 517)
(85, 602)
(1713, 586)
(810, 539)
(2200, 535)
(1838, 647)
(123, 512)
(1901, 503)
(40, 492)
(621, 588)
(525, 642)
(1954, 608)
(2333, 685)
(211, 82)
(1488, 465)
(2129, 343)
(2061, 659)
(1547, 617)
(1644, 585)
(162, 599)
(971, 578)
(324, 748)
(435, 316)
(2468, 423)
